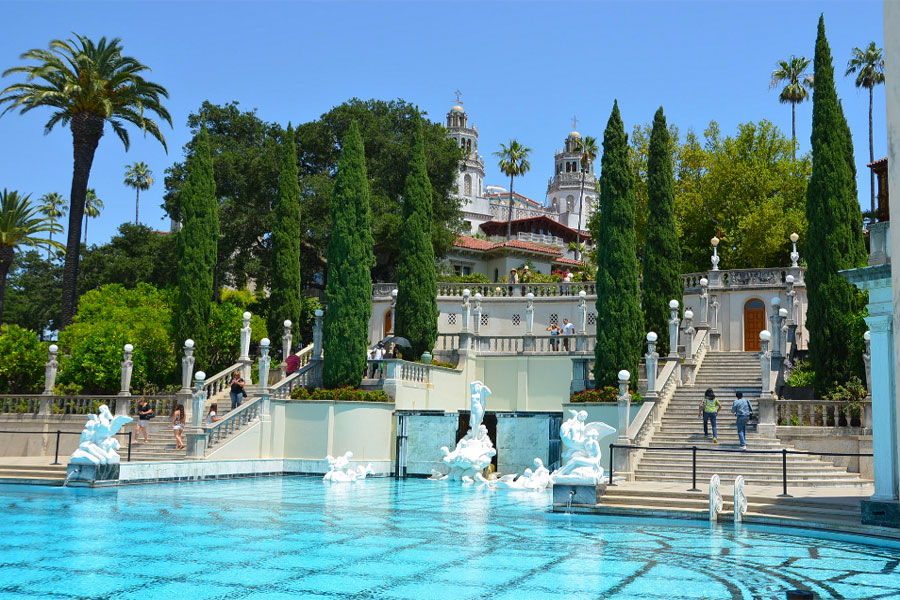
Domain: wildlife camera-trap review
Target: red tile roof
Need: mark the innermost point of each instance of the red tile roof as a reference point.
(877, 162)
(471, 243)
(564, 260)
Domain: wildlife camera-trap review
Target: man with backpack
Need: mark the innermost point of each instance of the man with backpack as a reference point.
(742, 409)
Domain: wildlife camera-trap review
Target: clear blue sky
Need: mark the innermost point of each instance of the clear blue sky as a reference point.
(524, 69)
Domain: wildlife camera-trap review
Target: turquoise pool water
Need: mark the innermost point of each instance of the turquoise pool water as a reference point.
(275, 539)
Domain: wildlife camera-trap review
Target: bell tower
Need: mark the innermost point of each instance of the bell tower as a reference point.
(564, 188)
(470, 179)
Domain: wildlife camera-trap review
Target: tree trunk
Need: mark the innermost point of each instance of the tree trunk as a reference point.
(6, 257)
(509, 212)
(137, 201)
(871, 155)
(794, 130)
(85, 229)
(87, 130)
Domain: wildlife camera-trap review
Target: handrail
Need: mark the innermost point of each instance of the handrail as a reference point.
(662, 379)
(59, 433)
(232, 421)
(694, 449)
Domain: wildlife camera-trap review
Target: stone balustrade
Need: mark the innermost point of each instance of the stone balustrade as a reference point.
(518, 344)
(744, 278)
(823, 413)
(220, 381)
(75, 405)
(232, 422)
(501, 290)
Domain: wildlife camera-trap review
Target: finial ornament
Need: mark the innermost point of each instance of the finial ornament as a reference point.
(574, 122)
(458, 96)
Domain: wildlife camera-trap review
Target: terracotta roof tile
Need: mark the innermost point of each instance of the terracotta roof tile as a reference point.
(528, 246)
(565, 260)
(471, 243)
(877, 162)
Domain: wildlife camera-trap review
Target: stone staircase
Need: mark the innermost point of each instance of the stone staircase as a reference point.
(726, 373)
(33, 474)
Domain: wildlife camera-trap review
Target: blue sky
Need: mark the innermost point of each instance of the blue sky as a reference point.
(525, 68)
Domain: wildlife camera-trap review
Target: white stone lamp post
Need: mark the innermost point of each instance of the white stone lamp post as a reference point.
(673, 328)
(765, 365)
(123, 404)
(791, 294)
(774, 327)
(651, 360)
(196, 435)
(187, 367)
(465, 308)
(529, 313)
(51, 367)
(714, 259)
(476, 311)
(795, 256)
(394, 293)
(704, 301)
(623, 401)
(264, 363)
(582, 318)
(244, 357)
(317, 334)
(783, 329)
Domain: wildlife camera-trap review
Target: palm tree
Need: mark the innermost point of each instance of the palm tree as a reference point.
(86, 85)
(92, 207)
(54, 206)
(795, 90)
(589, 150)
(139, 176)
(513, 162)
(20, 225)
(868, 65)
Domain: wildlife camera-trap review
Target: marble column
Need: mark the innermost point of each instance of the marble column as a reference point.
(195, 434)
(884, 410)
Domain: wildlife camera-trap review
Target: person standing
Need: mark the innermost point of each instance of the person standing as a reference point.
(237, 389)
(554, 331)
(742, 409)
(378, 360)
(178, 420)
(568, 330)
(709, 410)
(145, 413)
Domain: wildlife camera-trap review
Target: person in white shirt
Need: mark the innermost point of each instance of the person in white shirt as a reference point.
(377, 357)
(568, 329)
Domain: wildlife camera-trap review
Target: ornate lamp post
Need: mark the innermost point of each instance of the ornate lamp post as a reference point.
(393, 311)
(466, 294)
(187, 367)
(704, 301)
(244, 357)
(50, 369)
(651, 360)
(775, 327)
(795, 256)
(714, 259)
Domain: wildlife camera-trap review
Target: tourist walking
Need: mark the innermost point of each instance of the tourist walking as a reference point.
(237, 389)
(178, 420)
(211, 415)
(709, 410)
(554, 341)
(742, 409)
(568, 329)
(145, 413)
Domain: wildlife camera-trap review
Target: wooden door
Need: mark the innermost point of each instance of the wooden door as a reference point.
(754, 322)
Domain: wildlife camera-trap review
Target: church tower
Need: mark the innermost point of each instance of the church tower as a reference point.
(564, 188)
(470, 179)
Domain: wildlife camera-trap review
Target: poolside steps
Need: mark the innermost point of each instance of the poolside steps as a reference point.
(680, 426)
(161, 447)
(33, 474)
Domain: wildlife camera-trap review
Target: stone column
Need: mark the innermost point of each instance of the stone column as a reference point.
(582, 317)
(264, 363)
(704, 301)
(775, 328)
(884, 411)
(651, 361)
(187, 371)
(465, 307)
(286, 344)
(529, 345)
(767, 415)
(316, 379)
(50, 369)
(195, 434)
(623, 401)
(244, 357)
(393, 311)
(123, 404)
(673, 328)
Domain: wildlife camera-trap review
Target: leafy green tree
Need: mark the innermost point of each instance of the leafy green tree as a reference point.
(32, 280)
(620, 323)
(86, 85)
(20, 226)
(22, 367)
(137, 254)
(589, 149)
(513, 163)
(348, 292)
(196, 249)
(868, 66)
(138, 176)
(387, 130)
(92, 207)
(832, 241)
(225, 322)
(109, 318)
(54, 206)
(285, 301)
(796, 88)
(662, 252)
(416, 310)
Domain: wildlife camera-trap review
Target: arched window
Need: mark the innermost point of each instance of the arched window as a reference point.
(467, 185)
(570, 202)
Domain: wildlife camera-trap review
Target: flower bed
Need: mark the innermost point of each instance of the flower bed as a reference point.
(344, 393)
(607, 394)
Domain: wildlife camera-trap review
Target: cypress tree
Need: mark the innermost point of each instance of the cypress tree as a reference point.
(834, 235)
(416, 311)
(285, 301)
(348, 292)
(196, 248)
(662, 251)
(620, 323)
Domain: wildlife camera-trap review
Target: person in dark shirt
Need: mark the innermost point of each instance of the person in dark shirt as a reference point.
(237, 389)
(292, 363)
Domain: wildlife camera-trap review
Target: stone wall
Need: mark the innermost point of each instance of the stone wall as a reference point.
(830, 439)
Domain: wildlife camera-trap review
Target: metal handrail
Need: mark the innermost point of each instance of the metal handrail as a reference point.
(59, 433)
(694, 449)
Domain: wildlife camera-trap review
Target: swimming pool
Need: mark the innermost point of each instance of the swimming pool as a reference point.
(274, 539)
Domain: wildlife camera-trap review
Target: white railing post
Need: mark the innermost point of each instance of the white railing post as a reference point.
(774, 327)
(244, 357)
(582, 321)
(476, 311)
(767, 417)
(50, 369)
(286, 341)
(651, 361)
(623, 402)
(123, 404)
(264, 363)
(528, 344)
(465, 307)
(673, 328)
(196, 436)
(704, 301)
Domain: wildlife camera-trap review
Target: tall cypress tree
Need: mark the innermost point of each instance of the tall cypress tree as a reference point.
(348, 292)
(662, 251)
(620, 323)
(416, 310)
(834, 238)
(196, 248)
(284, 301)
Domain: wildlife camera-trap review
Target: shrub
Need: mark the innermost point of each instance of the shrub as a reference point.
(23, 358)
(344, 393)
(446, 365)
(801, 375)
(225, 322)
(607, 394)
(472, 278)
(107, 319)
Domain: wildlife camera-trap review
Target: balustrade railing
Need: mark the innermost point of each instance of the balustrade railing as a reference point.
(77, 405)
(741, 278)
(232, 421)
(447, 341)
(221, 381)
(823, 413)
(500, 290)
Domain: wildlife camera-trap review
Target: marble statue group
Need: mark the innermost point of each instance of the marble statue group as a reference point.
(340, 471)
(475, 450)
(98, 445)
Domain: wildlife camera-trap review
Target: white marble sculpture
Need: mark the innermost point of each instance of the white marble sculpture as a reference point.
(740, 499)
(581, 458)
(715, 498)
(537, 479)
(98, 444)
(475, 450)
(339, 469)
